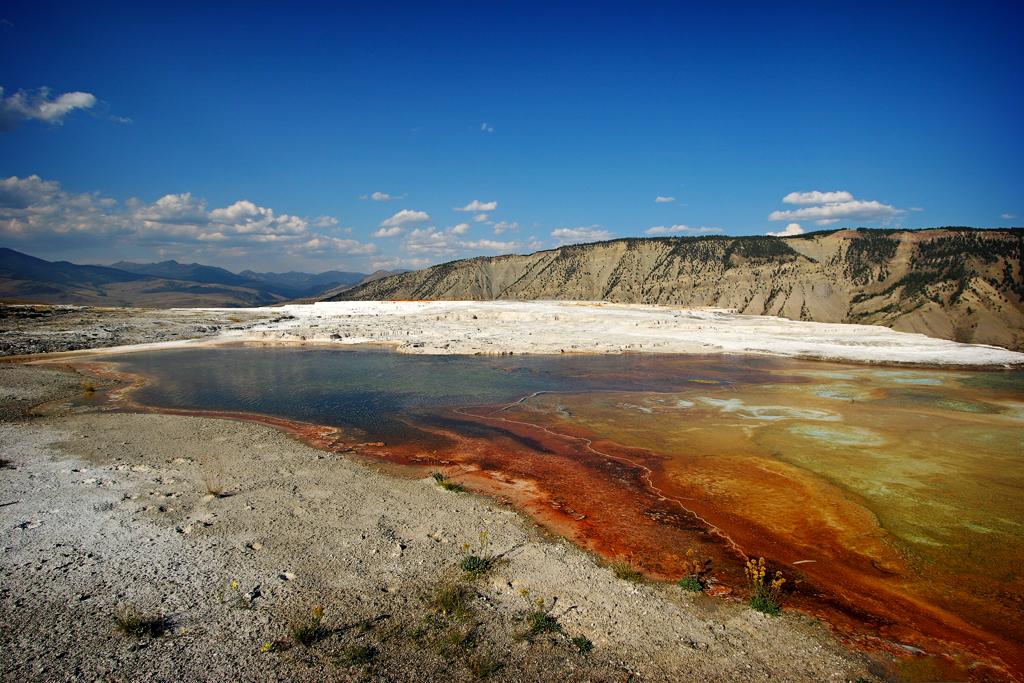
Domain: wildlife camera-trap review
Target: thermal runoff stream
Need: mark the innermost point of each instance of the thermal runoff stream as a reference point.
(892, 499)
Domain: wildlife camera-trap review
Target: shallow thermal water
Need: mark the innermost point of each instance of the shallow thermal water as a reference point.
(893, 498)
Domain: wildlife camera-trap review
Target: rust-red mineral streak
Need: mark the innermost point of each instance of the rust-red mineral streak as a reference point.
(614, 501)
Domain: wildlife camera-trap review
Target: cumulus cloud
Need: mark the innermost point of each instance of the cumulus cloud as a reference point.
(396, 262)
(505, 226)
(40, 106)
(664, 200)
(789, 231)
(481, 217)
(816, 197)
(681, 230)
(491, 245)
(39, 212)
(382, 197)
(450, 243)
(405, 217)
(827, 208)
(389, 232)
(590, 233)
(486, 127)
(477, 205)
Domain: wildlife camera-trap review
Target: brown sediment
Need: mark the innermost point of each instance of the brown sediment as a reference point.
(621, 503)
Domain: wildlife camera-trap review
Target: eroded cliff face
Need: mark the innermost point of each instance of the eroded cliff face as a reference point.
(959, 284)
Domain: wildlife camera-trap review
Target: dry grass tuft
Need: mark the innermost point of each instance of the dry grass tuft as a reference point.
(627, 572)
(129, 621)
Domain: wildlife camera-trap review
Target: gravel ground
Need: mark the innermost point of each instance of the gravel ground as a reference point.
(102, 512)
(28, 329)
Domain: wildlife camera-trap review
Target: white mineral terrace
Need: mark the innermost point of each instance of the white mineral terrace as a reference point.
(496, 327)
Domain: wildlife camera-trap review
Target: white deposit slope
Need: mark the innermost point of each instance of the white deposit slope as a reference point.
(521, 327)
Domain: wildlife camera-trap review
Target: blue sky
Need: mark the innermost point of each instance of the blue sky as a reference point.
(248, 134)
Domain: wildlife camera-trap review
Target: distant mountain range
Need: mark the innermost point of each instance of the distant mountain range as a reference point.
(955, 283)
(25, 278)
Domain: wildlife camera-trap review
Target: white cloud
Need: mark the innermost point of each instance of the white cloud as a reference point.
(490, 245)
(486, 127)
(590, 233)
(326, 222)
(816, 197)
(396, 262)
(664, 200)
(681, 230)
(405, 217)
(26, 106)
(39, 213)
(827, 208)
(477, 205)
(1008, 216)
(789, 231)
(449, 242)
(505, 226)
(389, 232)
(382, 197)
(916, 208)
(481, 217)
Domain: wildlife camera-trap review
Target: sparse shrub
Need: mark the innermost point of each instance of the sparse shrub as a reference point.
(766, 598)
(358, 655)
(477, 564)
(461, 637)
(483, 665)
(695, 573)
(583, 644)
(213, 480)
(88, 388)
(132, 622)
(279, 645)
(538, 618)
(233, 596)
(626, 572)
(446, 484)
(309, 630)
(451, 600)
(6, 464)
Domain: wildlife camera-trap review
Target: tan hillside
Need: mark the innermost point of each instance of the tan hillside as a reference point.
(955, 283)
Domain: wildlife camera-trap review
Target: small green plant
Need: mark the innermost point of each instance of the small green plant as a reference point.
(279, 645)
(233, 596)
(583, 644)
(690, 583)
(451, 600)
(477, 564)
(358, 655)
(446, 484)
(538, 618)
(309, 630)
(764, 597)
(131, 622)
(626, 572)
